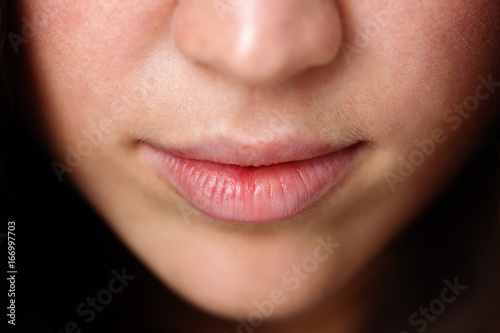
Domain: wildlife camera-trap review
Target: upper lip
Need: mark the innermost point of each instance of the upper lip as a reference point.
(253, 154)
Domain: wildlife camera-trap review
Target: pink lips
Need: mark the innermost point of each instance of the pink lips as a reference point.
(248, 194)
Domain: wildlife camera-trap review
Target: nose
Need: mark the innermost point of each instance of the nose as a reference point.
(258, 41)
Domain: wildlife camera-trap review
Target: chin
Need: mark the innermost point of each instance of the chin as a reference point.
(256, 276)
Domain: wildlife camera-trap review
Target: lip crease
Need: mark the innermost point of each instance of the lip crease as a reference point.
(261, 188)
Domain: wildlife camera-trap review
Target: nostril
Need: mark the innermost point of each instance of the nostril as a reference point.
(259, 41)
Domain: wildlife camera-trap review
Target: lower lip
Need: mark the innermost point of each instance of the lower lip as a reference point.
(253, 194)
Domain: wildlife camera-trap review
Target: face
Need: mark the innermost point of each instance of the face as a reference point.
(260, 151)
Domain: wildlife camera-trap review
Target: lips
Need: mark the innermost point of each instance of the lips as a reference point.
(243, 193)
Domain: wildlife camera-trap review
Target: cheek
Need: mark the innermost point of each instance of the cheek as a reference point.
(86, 55)
(407, 78)
(96, 44)
(420, 59)
(98, 32)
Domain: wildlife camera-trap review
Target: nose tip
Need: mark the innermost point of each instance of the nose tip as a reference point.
(258, 41)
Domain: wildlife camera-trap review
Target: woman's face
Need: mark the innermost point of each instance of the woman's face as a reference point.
(176, 119)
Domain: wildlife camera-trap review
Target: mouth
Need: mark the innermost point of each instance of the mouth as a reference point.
(242, 190)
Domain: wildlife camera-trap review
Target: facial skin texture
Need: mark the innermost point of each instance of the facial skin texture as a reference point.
(180, 72)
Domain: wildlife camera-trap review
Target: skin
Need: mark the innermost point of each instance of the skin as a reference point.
(180, 72)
